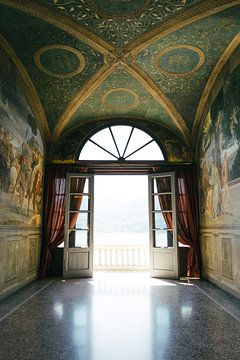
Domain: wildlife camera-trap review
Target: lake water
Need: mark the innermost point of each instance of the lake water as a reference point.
(122, 238)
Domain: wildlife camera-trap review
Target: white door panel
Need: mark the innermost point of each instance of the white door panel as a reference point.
(78, 244)
(163, 227)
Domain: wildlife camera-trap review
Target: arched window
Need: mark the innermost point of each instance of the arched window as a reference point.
(121, 143)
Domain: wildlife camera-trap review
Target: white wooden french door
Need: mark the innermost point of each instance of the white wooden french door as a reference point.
(78, 244)
(163, 227)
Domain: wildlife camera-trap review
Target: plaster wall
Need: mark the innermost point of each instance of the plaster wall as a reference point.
(219, 176)
(21, 174)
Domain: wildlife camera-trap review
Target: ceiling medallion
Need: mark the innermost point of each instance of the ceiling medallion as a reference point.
(120, 99)
(119, 9)
(180, 60)
(59, 61)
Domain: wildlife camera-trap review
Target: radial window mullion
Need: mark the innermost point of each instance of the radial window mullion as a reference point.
(128, 141)
(101, 147)
(114, 141)
(141, 147)
(121, 143)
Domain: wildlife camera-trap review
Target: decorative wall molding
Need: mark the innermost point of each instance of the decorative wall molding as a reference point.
(220, 250)
(19, 257)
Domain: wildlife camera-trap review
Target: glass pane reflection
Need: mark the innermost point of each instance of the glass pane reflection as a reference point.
(78, 238)
(163, 238)
(79, 202)
(162, 202)
(162, 184)
(79, 184)
(163, 220)
(78, 220)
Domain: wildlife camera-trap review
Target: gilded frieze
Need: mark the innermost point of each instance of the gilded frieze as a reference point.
(181, 63)
(119, 9)
(120, 22)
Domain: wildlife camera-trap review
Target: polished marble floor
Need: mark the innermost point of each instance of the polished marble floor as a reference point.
(120, 316)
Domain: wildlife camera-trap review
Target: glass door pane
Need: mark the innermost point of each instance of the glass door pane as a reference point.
(163, 229)
(78, 246)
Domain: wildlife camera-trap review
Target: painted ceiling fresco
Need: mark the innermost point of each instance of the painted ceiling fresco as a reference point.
(116, 95)
(181, 63)
(82, 61)
(57, 63)
(120, 21)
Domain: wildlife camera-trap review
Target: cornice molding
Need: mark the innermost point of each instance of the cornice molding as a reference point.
(204, 104)
(30, 90)
(60, 21)
(196, 12)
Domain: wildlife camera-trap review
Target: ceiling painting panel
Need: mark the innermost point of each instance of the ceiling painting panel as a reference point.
(181, 63)
(120, 21)
(121, 95)
(58, 64)
(68, 146)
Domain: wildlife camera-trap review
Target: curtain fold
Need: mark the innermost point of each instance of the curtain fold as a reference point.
(187, 211)
(54, 210)
(188, 217)
(77, 186)
(187, 203)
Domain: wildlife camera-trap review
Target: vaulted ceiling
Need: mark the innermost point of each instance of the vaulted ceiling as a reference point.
(87, 60)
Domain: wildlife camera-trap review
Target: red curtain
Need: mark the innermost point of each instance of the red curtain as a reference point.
(188, 217)
(187, 202)
(54, 210)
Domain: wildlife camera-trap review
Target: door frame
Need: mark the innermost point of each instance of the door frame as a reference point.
(169, 272)
(119, 168)
(86, 252)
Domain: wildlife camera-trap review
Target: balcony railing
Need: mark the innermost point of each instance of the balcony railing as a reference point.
(119, 257)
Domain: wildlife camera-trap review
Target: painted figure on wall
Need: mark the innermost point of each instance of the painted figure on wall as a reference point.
(21, 158)
(176, 151)
(220, 157)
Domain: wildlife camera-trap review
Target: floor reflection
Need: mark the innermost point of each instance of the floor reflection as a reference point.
(120, 316)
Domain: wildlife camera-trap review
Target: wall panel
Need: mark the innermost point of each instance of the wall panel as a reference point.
(221, 253)
(19, 257)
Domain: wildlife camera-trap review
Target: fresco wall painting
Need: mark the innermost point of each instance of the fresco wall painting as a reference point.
(220, 160)
(21, 158)
(21, 180)
(219, 169)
